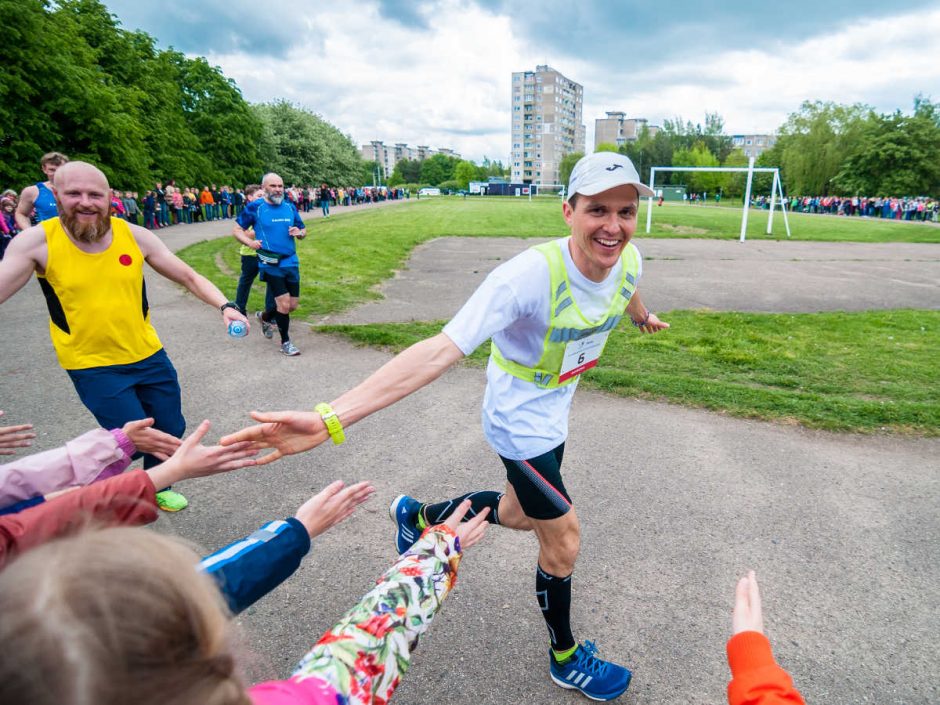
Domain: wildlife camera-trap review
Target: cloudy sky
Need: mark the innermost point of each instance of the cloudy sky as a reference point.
(438, 72)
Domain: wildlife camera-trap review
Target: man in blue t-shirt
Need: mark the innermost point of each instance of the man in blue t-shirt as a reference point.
(39, 196)
(277, 227)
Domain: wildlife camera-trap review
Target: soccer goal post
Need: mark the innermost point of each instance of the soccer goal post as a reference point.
(750, 170)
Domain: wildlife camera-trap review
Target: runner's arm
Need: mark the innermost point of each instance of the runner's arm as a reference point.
(22, 255)
(404, 374)
(642, 317)
(244, 238)
(290, 432)
(25, 206)
(159, 257)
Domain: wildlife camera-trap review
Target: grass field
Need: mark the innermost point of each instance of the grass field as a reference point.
(870, 372)
(345, 257)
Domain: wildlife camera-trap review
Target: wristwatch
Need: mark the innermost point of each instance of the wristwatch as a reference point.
(229, 304)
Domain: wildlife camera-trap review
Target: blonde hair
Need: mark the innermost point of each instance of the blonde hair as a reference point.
(111, 616)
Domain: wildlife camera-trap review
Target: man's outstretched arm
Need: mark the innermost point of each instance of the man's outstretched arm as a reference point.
(159, 257)
(23, 254)
(289, 432)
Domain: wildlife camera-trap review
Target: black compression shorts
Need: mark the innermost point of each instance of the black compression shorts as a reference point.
(538, 484)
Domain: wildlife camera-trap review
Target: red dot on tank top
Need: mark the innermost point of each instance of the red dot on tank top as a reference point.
(125, 260)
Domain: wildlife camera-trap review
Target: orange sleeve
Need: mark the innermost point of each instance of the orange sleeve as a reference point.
(756, 679)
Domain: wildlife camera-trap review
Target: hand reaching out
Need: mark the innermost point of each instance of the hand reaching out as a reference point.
(331, 505)
(469, 532)
(151, 440)
(747, 615)
(192, 459)
(287, 432)
(15, 437)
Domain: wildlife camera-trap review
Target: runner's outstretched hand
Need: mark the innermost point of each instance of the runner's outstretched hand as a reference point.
(192, 459)
(287, 432)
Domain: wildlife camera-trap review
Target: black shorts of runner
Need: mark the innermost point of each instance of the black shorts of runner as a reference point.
(283, 280)
(538, 484)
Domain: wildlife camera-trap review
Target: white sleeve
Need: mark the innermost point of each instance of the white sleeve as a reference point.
(514, 290)
(490, 309)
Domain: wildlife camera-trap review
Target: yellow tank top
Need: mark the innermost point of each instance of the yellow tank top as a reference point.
(97, 303)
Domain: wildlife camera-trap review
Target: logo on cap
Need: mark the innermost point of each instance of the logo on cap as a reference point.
(614, 166)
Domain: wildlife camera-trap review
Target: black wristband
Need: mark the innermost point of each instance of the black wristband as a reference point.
(229, 304)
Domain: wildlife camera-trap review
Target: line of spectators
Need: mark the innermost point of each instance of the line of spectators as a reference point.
(921, 208)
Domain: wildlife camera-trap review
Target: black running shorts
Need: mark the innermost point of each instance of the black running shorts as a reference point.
(538, 484)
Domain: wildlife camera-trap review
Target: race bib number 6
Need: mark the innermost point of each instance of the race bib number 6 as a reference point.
(581, 355)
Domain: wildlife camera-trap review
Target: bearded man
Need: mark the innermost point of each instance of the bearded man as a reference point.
(277, 227)
(90, 269)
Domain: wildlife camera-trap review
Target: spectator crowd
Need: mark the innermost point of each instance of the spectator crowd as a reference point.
(919, 208)
(168, 204)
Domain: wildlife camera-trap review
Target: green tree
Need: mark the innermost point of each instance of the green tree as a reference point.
(305, 149)
(567, 164)
(406, 171)
(438, 168)
(814, 142)
(900, 155)
(698, 156)
(733, 184)
(466, 171)
(607, 147)
(649, 150)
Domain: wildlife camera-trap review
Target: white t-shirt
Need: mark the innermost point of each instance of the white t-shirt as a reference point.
(520, 419)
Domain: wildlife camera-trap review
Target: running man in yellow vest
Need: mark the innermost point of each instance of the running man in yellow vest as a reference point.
(90, 268)
(548, 311)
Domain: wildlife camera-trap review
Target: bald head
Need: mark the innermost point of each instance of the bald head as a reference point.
(83, 198)
(83, 171)
(273, 186)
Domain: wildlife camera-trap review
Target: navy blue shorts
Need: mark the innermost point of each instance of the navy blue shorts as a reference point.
(282, 280)
(116, 394)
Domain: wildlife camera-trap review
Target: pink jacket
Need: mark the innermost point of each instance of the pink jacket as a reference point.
(92, 456)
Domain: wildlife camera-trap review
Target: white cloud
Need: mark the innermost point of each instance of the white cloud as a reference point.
(448, 85)
(881, 62)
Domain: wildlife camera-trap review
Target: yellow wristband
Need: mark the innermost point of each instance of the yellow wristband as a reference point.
(332, 422)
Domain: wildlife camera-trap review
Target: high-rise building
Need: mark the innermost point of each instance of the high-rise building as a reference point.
(753, 145)
(388, 157)
(546, 124)
(617, 129)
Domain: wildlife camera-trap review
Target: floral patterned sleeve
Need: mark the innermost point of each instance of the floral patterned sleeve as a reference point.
(366, 653)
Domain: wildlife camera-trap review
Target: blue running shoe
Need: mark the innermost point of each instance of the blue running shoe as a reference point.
(404, 512)
(594, 677)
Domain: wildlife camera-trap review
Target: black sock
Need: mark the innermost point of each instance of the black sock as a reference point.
(283, 325)
(268, 315)
(554, 598)
(436, 513)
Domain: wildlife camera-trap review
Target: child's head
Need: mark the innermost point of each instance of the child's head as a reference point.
(118, 615)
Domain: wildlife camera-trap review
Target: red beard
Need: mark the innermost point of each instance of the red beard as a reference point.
(83, 231)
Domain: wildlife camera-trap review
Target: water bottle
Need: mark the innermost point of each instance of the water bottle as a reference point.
(238, 329)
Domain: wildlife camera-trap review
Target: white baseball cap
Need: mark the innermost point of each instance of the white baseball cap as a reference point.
(601, 171)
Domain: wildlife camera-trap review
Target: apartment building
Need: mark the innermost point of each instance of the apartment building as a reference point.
(753, 145)
(618, 129)
(388, 157)
(546, 124)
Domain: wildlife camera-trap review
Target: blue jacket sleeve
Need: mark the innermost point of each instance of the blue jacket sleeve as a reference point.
(250, 568)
